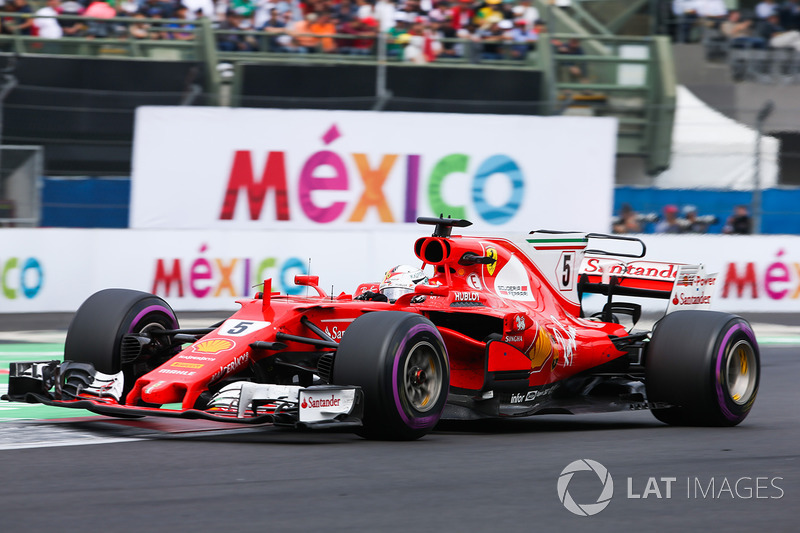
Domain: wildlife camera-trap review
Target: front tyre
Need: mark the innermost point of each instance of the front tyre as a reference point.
(400, 362)
(706, 365)
(98, 327)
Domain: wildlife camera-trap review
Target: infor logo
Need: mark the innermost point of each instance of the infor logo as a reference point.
(585, 509)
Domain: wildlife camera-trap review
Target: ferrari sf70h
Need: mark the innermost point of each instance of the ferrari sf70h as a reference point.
(498, 329)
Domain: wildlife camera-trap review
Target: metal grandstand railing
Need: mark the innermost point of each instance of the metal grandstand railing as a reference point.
(108, 37)
(511, 54)
(112, 38)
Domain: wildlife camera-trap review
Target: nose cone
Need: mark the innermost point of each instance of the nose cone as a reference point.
(163, 392)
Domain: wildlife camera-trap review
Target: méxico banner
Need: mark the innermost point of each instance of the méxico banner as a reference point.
(46, 270)
(224, 168)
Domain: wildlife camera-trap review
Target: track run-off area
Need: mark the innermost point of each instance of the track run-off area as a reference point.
(768, 336)
(73, 469)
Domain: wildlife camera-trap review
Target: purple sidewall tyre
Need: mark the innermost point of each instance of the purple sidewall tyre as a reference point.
(98, 327)
(702, 368)
(400, 362)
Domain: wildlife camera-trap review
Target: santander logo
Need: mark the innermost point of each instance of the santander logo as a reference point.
(311, 403)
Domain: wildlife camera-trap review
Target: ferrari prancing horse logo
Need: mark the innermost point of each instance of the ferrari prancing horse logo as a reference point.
(492, 253)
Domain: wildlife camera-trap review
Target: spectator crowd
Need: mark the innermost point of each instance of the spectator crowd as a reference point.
(674, 220)
(416, 30)
(770, 24)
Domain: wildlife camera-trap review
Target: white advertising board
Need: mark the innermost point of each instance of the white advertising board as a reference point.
(223, 168)
(44, 270)
(756, 274)
(55, 269)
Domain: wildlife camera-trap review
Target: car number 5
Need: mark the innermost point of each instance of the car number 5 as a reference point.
(239, 328)
(567, 260)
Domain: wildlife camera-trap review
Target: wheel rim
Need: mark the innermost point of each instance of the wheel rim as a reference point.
(142, 355)
(422, 377)
(154, 325)
(741, 372)
(150, 326)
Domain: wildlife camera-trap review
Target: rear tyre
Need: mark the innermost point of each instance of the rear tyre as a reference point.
(96, 331)
(400, 362)
(706, 365)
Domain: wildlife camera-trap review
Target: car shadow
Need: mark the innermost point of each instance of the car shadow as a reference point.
(543, 424)
(154, 428)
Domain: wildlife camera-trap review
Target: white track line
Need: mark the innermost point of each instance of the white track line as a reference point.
(67, 442)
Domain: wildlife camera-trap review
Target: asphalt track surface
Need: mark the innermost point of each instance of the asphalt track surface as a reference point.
(498, 476)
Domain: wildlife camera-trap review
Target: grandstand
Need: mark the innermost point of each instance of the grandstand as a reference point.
(76, 96)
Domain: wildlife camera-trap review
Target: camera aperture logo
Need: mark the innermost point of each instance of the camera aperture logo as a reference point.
(606, 492)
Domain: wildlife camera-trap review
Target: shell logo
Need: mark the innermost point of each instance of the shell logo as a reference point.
(213, 346)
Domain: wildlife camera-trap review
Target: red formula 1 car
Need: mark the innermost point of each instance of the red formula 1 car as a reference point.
(497, 331)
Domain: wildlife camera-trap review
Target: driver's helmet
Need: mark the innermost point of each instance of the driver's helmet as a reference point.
(400, 280)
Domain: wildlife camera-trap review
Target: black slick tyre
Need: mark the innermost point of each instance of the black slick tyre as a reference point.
(401, 364)
(98, 327)
(705, 365)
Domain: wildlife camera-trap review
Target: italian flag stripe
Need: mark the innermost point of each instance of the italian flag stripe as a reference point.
(559, 244)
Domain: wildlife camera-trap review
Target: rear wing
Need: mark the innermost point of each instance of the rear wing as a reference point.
(562, 259)
(608, 273)
(607, 269)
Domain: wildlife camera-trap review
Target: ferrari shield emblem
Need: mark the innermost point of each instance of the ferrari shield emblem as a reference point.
(492, 253)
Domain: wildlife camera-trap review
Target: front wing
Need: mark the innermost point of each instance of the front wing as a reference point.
(80, 386)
